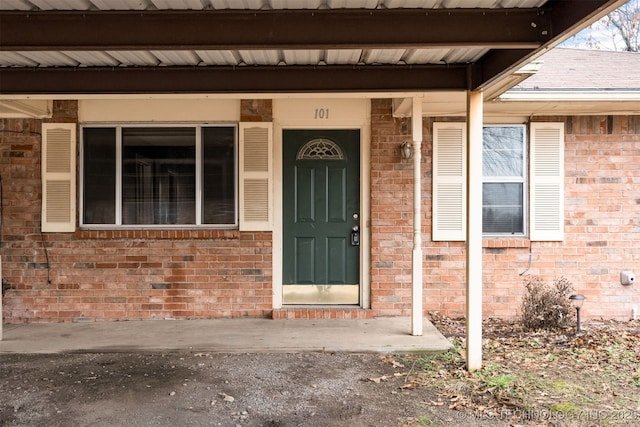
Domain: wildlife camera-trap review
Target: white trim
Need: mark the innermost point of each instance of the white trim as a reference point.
(196, 110)
(37, 109)
(473, 262)
(570, 95)
(199, 177)
(276, 236)
(517, 106)
(118, 178)
(365, 209)
(416, 255)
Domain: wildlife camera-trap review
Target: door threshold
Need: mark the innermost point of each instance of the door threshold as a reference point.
(321, 294)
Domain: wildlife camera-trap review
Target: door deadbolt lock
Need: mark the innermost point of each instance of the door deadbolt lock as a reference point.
(355, 236)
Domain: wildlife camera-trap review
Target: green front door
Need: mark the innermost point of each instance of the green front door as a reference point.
(321, 216)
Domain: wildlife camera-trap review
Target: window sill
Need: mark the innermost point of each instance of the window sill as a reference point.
(506, 242)
(175, 234)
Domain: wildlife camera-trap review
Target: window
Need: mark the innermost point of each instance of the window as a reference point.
(508, 181)
(159, 176)
(503, 188)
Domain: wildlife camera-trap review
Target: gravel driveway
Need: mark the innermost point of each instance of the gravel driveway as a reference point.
(202, 389)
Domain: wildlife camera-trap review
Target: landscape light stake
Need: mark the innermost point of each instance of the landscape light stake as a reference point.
(577, 300)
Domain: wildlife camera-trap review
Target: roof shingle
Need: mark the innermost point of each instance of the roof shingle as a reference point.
(579, 69)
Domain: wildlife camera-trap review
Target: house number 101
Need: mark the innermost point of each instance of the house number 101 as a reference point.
(321, 113)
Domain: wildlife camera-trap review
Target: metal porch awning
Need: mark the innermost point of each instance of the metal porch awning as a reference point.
(276, 46)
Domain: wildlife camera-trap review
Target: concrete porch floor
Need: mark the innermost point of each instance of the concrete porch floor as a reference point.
(378, 335)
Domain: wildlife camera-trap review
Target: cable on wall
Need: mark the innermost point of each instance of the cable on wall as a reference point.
(528, 266)
(20, 132)
(46, 256)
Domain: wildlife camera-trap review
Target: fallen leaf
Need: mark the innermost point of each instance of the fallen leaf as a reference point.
(227, 398)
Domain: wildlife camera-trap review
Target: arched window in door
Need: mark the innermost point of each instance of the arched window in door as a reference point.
(320, 149)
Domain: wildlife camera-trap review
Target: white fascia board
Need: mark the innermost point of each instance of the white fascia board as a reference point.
(564, 96)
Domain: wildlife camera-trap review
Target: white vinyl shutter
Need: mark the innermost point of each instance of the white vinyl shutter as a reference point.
(547, 181)
(58, 177)
(256, 147)
(449, 182)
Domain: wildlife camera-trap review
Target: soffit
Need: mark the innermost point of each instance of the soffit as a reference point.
(276, 46)
(519, 110)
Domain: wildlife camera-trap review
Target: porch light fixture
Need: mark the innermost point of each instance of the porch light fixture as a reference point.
(405, 150)
(577, 300)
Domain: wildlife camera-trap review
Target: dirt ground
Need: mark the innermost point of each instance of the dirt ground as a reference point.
(547, 378)
(155, 389)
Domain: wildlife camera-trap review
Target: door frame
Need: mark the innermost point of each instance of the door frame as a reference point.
(302, 114)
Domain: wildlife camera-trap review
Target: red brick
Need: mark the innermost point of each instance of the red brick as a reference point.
(108, 274)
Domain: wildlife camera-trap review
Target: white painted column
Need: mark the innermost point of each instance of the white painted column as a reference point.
(416, 132)
(474, 230)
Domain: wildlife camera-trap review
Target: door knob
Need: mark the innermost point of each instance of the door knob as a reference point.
(355, 236)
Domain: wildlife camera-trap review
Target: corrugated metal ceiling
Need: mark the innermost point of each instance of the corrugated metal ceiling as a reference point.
(246, 57)
(278, 46)
(239, 57)
(258, 4)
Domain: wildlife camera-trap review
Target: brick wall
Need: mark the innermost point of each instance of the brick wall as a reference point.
(602, 225)
(142, 274)
(391, 213)
(111, 275)
(256, 110)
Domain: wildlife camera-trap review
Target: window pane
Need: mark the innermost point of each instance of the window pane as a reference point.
(502, 208)
(219, 176)
(502, 151)
(99, 180)
(158, 175)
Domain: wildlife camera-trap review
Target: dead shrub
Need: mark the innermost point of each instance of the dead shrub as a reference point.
(546, 306)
